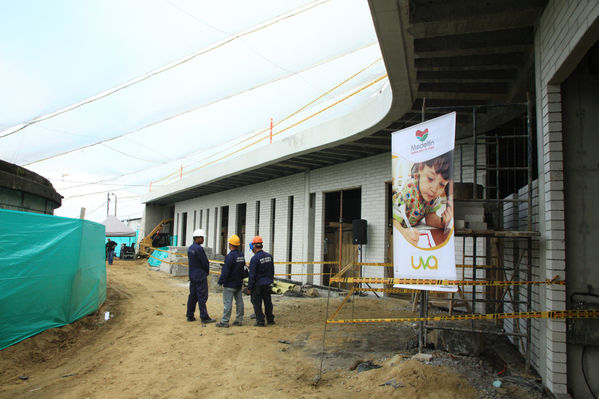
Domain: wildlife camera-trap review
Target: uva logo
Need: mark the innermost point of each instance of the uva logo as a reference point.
(422, 134)
(430, 263)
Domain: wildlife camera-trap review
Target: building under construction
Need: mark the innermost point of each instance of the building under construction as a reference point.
(523, 77)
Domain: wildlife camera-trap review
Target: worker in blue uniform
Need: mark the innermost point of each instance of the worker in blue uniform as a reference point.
(261, 276)
(231, 278)
(199, 268)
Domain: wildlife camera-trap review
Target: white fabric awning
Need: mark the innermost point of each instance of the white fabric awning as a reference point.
(104, 95)
(116, 228)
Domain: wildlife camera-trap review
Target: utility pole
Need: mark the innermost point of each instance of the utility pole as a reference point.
(107, 204)
(115, 199)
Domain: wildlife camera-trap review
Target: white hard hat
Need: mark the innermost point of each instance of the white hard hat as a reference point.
(199, 233)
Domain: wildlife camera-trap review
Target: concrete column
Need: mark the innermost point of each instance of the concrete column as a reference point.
(318, 235)
(306, 244)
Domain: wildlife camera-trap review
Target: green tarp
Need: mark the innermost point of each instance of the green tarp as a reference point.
(157, 257)
(52, 272)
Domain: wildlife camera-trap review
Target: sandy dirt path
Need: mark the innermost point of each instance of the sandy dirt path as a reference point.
(147, 349)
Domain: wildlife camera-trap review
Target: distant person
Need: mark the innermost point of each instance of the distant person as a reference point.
(231, 278)
(110, 246)
(261, 276)
(199, 268)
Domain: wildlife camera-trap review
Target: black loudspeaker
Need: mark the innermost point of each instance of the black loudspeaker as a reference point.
(359, 231)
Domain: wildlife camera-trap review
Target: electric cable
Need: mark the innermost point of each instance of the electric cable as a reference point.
(238, 150)
(584, 348)
(181, 61)
(197, 108)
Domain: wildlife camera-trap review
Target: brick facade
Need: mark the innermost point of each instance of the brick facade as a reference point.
(369, 174)
(561, 39)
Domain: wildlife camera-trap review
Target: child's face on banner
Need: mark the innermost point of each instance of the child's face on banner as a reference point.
(432, 184)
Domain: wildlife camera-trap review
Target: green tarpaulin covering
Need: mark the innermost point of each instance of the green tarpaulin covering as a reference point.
(52, 272)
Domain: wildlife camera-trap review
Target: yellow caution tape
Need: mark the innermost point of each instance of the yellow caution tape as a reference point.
(394, 290)
(328, 262)
(301, 274)
(390, 280)
(563, 314)
(391, 265)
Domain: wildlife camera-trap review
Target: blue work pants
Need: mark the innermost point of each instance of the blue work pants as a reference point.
(110, 257)
(198, 293)
(261, 293)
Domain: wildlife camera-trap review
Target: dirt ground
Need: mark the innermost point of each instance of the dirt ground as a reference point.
(148, 349)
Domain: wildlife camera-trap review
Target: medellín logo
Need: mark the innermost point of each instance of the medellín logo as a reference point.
(424, 143)
(422, 134)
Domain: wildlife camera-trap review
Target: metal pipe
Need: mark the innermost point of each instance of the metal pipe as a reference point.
(421, 332)
(340, 233)
(423, 296)
(475, 106)
(529, 145)
(500, 200)
(475, 150)
(461, 163)
(529, 304)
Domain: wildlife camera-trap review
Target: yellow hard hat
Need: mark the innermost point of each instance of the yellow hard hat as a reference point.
(234, 240)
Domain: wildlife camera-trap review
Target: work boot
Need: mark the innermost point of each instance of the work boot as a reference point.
(237, 323)
(207, 321)
(271, 322)
(191, 318)
(221, 324)
(258, 324)
(253, 316)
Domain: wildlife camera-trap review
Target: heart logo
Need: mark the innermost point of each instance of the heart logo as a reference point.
(422, 134)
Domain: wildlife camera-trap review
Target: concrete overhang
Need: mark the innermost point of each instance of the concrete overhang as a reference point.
(356, 135)
(443, 53)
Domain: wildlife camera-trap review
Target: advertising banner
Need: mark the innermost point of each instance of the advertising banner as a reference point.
(423, 228)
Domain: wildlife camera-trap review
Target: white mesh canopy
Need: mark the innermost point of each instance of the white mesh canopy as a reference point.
(111, 95)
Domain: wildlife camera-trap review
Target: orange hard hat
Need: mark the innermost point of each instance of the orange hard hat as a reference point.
(257, 240)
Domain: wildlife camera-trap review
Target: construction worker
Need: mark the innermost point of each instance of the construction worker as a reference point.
(199, 268)
(110, 245)
(231, 278)
(261, 276)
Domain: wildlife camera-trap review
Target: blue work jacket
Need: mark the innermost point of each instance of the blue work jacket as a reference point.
(233, 270)
(199, 267)
(262, 270)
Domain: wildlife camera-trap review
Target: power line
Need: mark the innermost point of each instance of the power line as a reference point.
(167, 67)
(262, 131)
(199, 107)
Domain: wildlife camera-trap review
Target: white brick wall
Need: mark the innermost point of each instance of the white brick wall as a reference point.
(515, 215)
(369, 174)
(561, 39)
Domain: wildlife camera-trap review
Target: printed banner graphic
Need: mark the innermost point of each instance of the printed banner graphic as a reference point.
(423, 229)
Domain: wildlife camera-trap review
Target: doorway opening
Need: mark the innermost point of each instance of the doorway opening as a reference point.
(184, 229)
(273, 212)
(289, 235)
(240, 230)
(224, 224)
(340, 208)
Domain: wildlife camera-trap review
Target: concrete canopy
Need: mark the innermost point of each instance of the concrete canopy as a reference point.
(454, 53)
